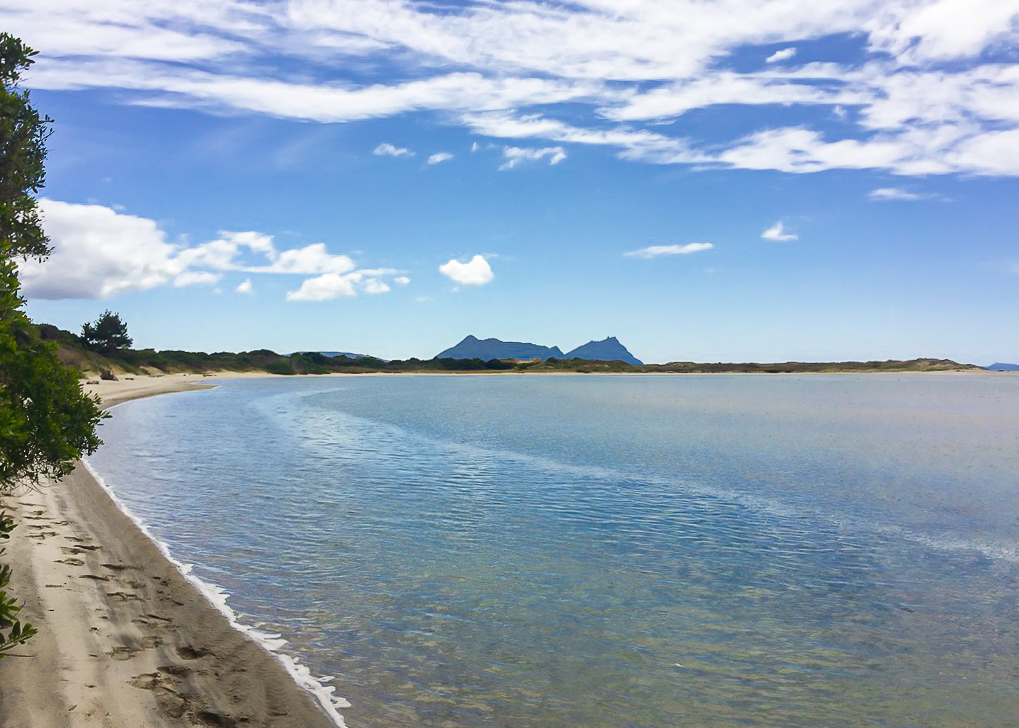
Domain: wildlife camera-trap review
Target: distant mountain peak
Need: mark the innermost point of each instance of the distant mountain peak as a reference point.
(486, 349)
(608, 349)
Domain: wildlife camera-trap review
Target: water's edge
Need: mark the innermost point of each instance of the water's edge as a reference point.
(317, 686)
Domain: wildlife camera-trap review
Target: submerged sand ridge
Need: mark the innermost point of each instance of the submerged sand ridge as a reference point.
(124, 639)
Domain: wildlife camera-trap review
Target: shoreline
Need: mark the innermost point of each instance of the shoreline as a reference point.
(125, 638)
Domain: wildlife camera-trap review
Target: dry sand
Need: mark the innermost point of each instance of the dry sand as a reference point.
(125, 641)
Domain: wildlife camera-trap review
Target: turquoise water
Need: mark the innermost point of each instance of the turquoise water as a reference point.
(606, 551)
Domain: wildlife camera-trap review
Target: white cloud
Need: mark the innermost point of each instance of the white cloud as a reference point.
(324, 288)
(99, 252)
(223, 253)
(309, 260)
(515, 155)
(389, 150)
(474, 147)
(934, 69)
(777, 232)
(993, 153)
(783, 55)
(374, 285)
(656, 251)
(476, 272)
(245, 287)
(401, 280)
(195, 278)
(439, 157)
(894, 193)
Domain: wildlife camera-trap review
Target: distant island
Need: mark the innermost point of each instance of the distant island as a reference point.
(1002, 367)
(485, 349)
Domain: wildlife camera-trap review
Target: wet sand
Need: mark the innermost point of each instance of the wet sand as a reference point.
(124, 639)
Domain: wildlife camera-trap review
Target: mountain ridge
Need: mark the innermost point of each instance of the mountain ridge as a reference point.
(608, 349)
(486, 349)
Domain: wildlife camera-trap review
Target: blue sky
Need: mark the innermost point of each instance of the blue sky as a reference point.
(724, 180)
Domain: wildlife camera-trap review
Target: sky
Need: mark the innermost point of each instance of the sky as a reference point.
(707, 180)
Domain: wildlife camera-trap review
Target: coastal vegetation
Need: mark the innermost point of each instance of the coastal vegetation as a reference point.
(46, 422)
(76, 353)
(107, 335)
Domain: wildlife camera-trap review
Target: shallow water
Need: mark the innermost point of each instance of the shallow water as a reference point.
(607, 551)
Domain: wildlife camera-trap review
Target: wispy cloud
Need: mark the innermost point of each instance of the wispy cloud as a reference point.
(475, 272)
(390, 150)
(324, 288)
(783, 55)
(245, 287)
(374, 285)
(895, 193)
(657, 251)
(777, 233)
(932, 90)
(439, 157)
(99, 252)
(196, 278)
(515, 156)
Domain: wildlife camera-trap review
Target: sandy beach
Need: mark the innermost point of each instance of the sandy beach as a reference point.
(124, 639)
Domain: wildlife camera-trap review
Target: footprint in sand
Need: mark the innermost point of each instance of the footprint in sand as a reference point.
(82, 543)
(187, 652)
(118, 567)
(123, 596)
(168, 701)
(217, 720)
(167, 598)
(77, 549)
(70, 562)
(152, 621)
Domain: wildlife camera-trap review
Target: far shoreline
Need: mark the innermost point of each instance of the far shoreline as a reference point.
(114, 392)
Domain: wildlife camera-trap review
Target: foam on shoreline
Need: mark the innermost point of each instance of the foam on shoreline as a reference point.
(217, 598)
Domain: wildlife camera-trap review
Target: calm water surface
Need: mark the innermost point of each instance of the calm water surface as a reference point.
(607, 551)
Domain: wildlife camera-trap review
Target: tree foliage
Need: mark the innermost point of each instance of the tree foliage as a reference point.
(13, 631)
(46, 421)
(107, 335)
(23, 134)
